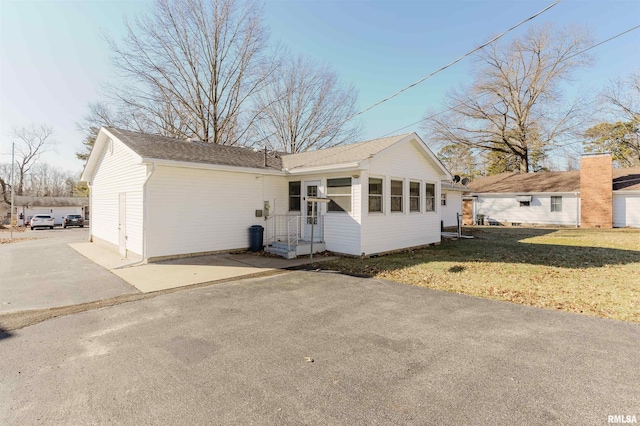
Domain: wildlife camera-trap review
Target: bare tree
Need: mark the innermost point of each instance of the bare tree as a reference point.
(620, 136)
(623, 97)
(306, 107)
(515, 107)
(5, 173)
(192, 67)
(31, 142)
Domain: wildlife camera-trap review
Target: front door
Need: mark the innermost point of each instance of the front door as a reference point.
(311, 189)
(122, 220)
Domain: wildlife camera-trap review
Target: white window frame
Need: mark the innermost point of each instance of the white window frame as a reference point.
(443, 199)
(556, 204)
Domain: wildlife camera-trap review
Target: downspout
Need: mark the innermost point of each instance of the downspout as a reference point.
(90, 184)
(144, 221)
(577, 209)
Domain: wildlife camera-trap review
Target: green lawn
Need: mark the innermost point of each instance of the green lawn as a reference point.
(593, 272)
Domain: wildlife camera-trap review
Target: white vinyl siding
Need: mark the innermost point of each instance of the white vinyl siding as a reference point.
(454, 206)
(341, 229)
(197, 210)
(504, 208)
(626, 209)
(386, 232)
(58, 213)
(117, 172)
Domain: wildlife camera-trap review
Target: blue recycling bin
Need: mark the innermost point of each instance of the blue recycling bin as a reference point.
(256, 234)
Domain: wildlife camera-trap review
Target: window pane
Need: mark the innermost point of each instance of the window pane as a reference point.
(430, 190)
(414, 203)
(396, 187)
(375, 204)
(375, 186)
(339, 190)
(294, 188)
(429, 206)
(396, 204)
(414, 189)
(331, 183)
(294, 204)
(443, 199)
(340, 204)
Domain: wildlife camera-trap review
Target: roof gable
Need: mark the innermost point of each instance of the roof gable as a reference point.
(343, 154)
(418, 143)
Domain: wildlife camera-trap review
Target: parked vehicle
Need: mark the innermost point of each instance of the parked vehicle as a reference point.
(41, 221)
(73, 220)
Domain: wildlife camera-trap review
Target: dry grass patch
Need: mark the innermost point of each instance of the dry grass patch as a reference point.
(594, 272)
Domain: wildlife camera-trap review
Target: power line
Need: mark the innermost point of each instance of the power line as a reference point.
(455, 61)
(445, 66)
(486, 93)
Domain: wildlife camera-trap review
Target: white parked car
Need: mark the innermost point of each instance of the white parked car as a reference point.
(42, 221)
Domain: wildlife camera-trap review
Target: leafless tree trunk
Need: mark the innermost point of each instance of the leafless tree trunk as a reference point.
(305, 107)
(514, 106)
(192, 67)
(32, 142)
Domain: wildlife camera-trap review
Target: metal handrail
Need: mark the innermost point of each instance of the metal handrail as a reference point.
(289, 228)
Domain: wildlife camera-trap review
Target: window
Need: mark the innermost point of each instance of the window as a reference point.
(524, 200)
(396, 195)
(375, 195)
(443, 199)
(294, 196)
(339, 191)
(414, 196)
(430, 202)
(556, 204)
(525, 203)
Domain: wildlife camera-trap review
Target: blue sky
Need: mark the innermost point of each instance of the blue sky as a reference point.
(53, 60)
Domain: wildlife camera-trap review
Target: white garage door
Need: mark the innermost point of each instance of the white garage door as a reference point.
(626, 209)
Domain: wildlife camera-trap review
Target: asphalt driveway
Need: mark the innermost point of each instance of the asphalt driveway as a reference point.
(45, 272)
(383, 353)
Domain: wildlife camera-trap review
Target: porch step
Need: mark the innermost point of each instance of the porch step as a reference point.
(280, 249)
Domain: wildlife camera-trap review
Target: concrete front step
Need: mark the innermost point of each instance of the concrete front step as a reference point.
(281, 251)
(302, 248)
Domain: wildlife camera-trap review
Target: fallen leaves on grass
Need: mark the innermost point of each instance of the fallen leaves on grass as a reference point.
(593, 272)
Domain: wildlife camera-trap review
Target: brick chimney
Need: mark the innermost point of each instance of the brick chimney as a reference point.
(596, 191)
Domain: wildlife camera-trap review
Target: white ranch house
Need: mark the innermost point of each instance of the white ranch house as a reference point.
(159, 197)
(591, 197)
(57, 207)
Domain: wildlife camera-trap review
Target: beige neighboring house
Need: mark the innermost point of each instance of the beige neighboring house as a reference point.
(595, 196)
(160, 197)
(57, 207)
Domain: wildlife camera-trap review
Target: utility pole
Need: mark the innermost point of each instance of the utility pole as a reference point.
(13, 149)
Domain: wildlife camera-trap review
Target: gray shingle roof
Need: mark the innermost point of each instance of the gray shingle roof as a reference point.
(23, 200)
(623, 179)
(343, 154)
(166, 148)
